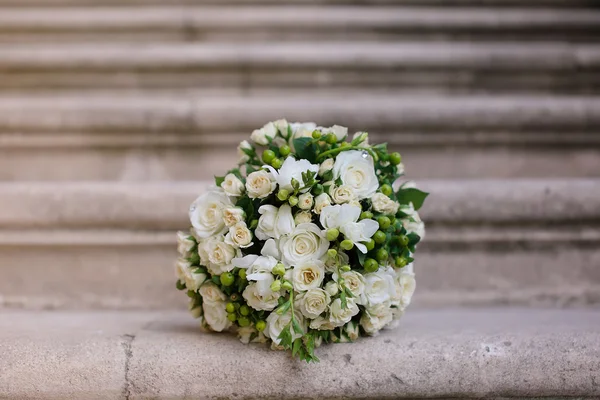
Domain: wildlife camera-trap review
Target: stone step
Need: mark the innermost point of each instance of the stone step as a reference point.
(434, 67)
(164, 135)
(270, 22)
(483, 354)
(110, 245)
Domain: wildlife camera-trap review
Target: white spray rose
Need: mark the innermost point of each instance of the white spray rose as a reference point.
(242, 156)
(332, 288)
(355, 168)
(338, 315)
(193, 281)
(292, 169)
(340, 132)
(380, 287)
(303, 217)
(216, 255)
(276, 323)
(185, 243)
(268, 302)
(206, 213)
(321, 201)
(232, 185)
(258, 268)
(322, 324)
(352, 330)
(332, 264)
(211, 293)
(239, 235)
(282, 126)
(375, 318)
(412, 222)
(345, 218)
(312, 303)
(406, 281)
(274, 222)
(195, 309)
(260, 184)
(263, 135)
(305, 201)
(232, 215)
(326, 166)
(383, 204)
(305, 243)
(353, 281)
(215, 315)
(341, 194)
(308, 275)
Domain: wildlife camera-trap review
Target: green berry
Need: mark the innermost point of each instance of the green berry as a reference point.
(386, 189)
(346, 268)
(276, 163)
(332, 234)
(287, 285)
(395, 158)
(366, 215)
(242, 274)
(261, 325)
(381, 255)
(230, 307)
(332, 253)
(400, 262)
(227, 279)
(379, 237)
(404, 240)
(346, 244)
(279, 269)
(231, 316)
(244, 310)
(283, 194)
(285, 150)
(316, 134)
(243, 321)
(331, 138)
(253, 224)
(344, 144)
(384, 222)
(276, 286)
(371, 265)
(317, 189)
(370, 244)
(268, 156)
(293, 200)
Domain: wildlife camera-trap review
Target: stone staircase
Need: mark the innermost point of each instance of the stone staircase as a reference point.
(114, 115)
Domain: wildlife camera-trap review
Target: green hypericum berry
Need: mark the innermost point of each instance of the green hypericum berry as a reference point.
(285, 150)
(276, 163)
(227, 279)
(317, 189)
(400, 262)
(242, 274)
(331, 138)
(346, 244)
(279, 269)
(231, 316)
(395, 158)
(243, 321)
(366, 215)
(293, 200)
(268, 156)
(230, 307)
(371, 265)
(332, 234)
(384, 222)
(316, 134)
(287, 285)
(276, 286)
(403, 240)
(245, 310)
(386, 189)
(283, 195)
(346, 268)
(370, 244)
(261, 325)
(381, 255)
(332, 253)
(379, 237)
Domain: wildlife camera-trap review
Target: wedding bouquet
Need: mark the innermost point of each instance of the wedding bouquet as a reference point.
(309, 240)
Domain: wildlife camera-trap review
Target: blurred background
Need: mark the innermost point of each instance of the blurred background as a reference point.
(114, 114)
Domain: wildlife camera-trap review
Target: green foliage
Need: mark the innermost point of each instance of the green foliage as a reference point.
(306, 148)
(411, 195)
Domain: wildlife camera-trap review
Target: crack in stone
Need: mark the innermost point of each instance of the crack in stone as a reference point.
(128, 340)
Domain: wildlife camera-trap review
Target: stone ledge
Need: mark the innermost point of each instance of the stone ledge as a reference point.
(485, 353)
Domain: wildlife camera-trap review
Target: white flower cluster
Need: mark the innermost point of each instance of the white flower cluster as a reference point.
(306, 243)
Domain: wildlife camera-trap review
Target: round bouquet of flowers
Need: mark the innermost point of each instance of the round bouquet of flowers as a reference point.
(310, 239)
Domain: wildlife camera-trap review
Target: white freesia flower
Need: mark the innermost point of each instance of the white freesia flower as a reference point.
(303, 217)
(305, 201)
(292, 169)
(206, 213)
(185, 244)
(260, 184)
(321, 201)
(380, 287)
(215, 315)
(259, 302)
(282, 126)
(383, 204)
(356, 170)
(339, 315)
(276, 323)
(326, 166)
(274, 222)
(258, 268)
(340, 132)
(243, 157)
(304, 129)
(232, 185)
(412, 222)
(216, 255)
(312, 303)
(263, 135)
(344, 217)
(211, 293)
(232, 215)
(239, 235)
(308, 275)
(375, 318)
(342, 194)
(305, 243)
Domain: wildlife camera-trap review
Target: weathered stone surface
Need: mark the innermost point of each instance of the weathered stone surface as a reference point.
(486, 353)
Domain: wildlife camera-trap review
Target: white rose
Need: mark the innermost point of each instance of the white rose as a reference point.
(355, 282)
(332, 264)
(263, 135)
(239, 235)
(312, 303)
(408, 284)
(185, 273)
(321, 201)
(375, 318)
(342, 194)
(357, 171)
(322, 324)
(232, 185)
(379, 287)
(412, 222)
(338, 315)
(232, 215)
(292, 169)
(215, 315)
(352, 330)
(340, 132)
(383, 204)
(260, 184)
(268, 302)
(308, 275)
(274, 222)
(216, 255)
(195, 309)
(326, 166)
(245, 333)
(185, 244)
(258, 268)
(305, 201)
(276, 323)
(211, 293)
(344, 217)
(206, 213)
(332, 288)
(305, 243)
(282, 126)
(300, 130)
(242, 156)
(303, 217)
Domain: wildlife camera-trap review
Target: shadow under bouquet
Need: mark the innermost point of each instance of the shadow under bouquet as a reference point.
(310, 239)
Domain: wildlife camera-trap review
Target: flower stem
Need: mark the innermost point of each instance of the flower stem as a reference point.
(340, 149)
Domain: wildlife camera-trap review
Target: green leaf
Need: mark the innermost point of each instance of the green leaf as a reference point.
(343, 299)
(411, 195)
(249, 152)
(296, 346)
(283, 308)
(413, 239)
(348, 292)
(297, 327)
(219, 180)
(180, 285)
(305, 148)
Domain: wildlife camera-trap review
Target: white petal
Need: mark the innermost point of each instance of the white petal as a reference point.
(270, 249)
(244, 262)
(369, 227)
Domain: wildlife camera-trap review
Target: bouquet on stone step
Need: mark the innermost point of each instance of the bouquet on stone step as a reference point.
(310, 239)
